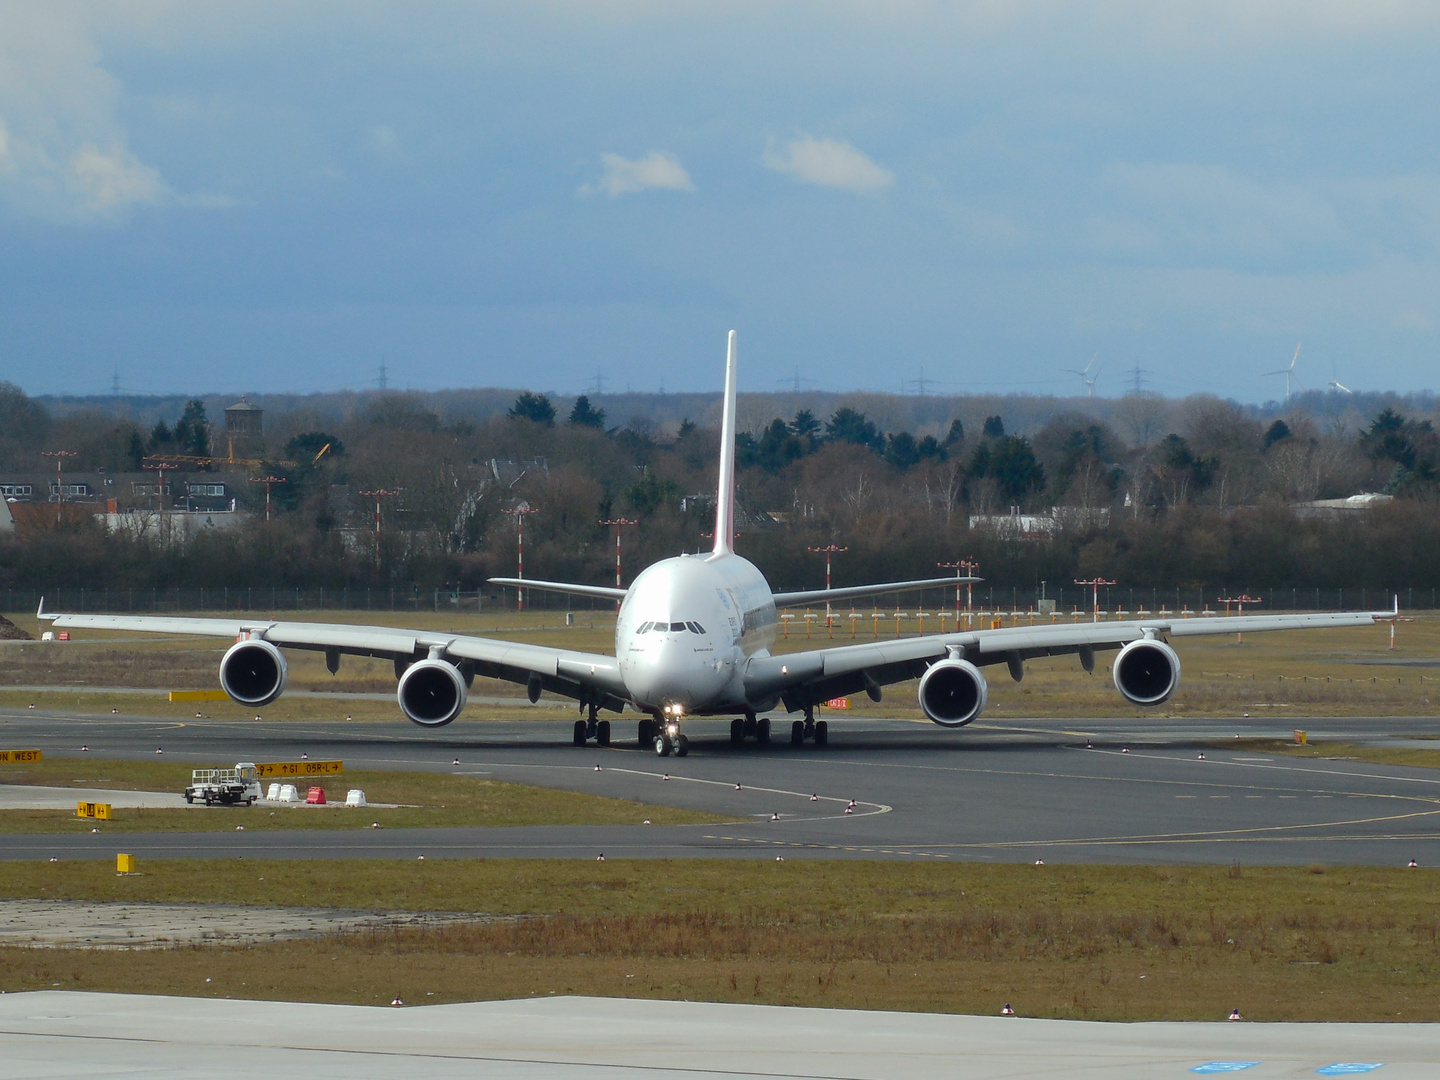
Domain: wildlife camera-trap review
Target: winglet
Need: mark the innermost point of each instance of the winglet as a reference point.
(725, 495)
(40, 615)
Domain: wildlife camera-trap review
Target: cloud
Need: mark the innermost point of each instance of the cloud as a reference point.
(107, 180)
(657, 170)
(829, 163)
(63, 151)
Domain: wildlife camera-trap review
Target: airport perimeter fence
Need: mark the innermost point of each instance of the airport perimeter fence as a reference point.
(986, 597)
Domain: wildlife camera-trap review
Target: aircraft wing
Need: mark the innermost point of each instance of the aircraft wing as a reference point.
(605, 592)
(848, 592)
(820, 674)
(562, 671)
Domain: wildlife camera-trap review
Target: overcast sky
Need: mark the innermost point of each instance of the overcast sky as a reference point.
(284, 196)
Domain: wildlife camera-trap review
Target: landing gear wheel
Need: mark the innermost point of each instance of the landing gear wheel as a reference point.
(579, 732)
(646, 732)
(662, 746)
(748, 727)
(737, 731)
(189, 798)
(762, 731)
(822, 732)
(797, 733)
(602, 733)
(682, 746)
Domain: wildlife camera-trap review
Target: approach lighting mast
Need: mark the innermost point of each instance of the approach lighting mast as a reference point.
(969, 565)
(1239, 602)
(520, 513)
(269, 480)
(161, 467)
(619, 524)
(1094, 584)
(377, 495)
(829, 550)
(59, 456)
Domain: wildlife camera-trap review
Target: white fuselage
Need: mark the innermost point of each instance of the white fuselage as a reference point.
(686, 627)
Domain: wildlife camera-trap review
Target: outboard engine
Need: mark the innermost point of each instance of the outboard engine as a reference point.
(253, 672)
(953, 692)
(1146, 671)
(431, 692)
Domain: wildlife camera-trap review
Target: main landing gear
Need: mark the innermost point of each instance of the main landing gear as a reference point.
(664, 738)
(809, 728)
(759, 730)
(599, 730)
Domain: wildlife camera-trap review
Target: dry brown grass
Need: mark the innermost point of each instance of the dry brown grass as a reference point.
(1086, 942)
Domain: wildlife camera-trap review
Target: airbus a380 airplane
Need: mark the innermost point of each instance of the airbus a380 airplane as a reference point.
(693, 637)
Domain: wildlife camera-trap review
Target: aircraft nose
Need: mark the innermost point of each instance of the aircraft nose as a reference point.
(672, 672)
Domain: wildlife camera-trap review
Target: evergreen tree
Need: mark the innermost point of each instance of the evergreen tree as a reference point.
(585, 415)
(536, 407)
(847, 425)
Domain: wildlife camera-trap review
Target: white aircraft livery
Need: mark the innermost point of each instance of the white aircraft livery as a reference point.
(693, 637)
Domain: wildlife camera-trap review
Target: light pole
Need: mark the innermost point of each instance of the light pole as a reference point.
(1095, 584)
(828, 550)
(969, 565)
(619, 524)
(520, 513)
(269, 482)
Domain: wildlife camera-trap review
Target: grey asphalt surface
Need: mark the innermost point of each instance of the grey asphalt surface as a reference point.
(62, 1034)
(1095, 791)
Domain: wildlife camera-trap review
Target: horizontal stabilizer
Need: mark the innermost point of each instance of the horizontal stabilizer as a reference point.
(822, 596)
(605, 592)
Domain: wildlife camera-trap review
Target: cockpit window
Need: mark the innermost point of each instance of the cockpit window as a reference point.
(644, 627)
(696, 628)
(676, 627)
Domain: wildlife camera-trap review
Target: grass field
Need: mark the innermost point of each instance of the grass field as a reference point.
(1314, 673)
(1115, 943)
(1079, 942)
(426, 800)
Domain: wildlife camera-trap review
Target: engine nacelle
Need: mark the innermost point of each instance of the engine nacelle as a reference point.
(1147, 671)
(431, 693)
(953, 692)
(253, 672)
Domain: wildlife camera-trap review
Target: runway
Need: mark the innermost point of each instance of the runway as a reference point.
(1111, 791)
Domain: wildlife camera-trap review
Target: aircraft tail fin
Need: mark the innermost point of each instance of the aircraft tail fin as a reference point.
(725, 496)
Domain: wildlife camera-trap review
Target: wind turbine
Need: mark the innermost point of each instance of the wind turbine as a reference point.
(1087, 386)
(1335, 383)
(1289, 373)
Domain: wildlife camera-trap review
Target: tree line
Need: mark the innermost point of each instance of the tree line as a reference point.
(1211, 495)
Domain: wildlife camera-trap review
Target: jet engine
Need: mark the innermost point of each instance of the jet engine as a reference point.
(1146, 671)
(431, 693)
(253, 672)
(953, 692)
